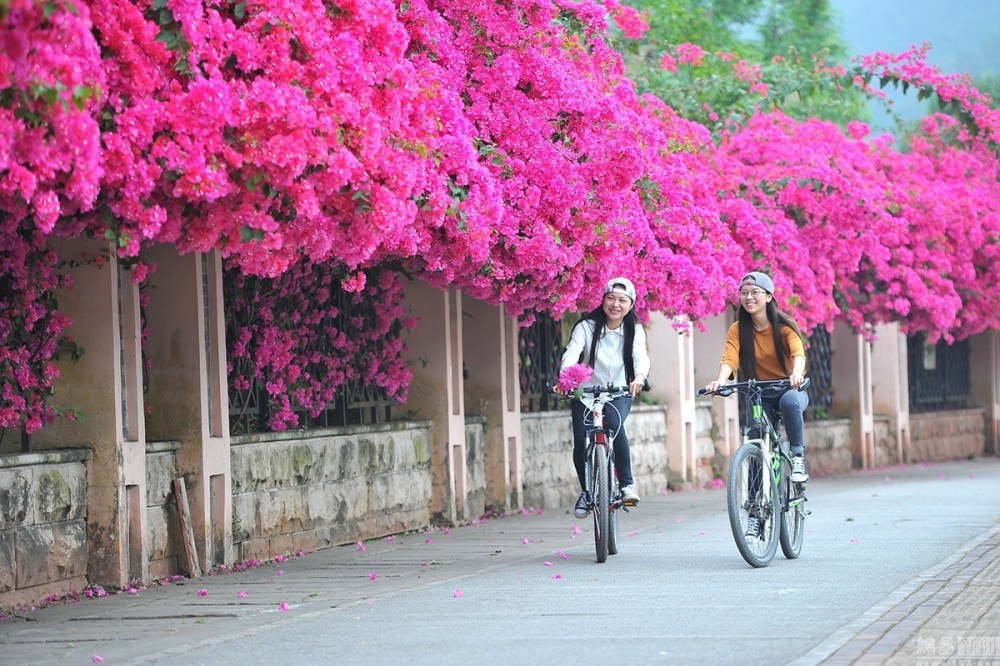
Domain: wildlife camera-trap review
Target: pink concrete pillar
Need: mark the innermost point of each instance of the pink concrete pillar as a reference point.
(436, 392)
(890, 392)
(105, 386)
(708, 349)
(984, 366)
(852, 397)
(188, 391)
(672, 381)
(489, 341)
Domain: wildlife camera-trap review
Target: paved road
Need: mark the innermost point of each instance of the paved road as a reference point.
(527, 588)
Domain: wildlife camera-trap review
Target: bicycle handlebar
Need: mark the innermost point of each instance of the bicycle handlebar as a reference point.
(728, 389)
(608, 389)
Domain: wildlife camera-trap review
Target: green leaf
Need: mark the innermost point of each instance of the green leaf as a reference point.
(248, 234)
(240, 11)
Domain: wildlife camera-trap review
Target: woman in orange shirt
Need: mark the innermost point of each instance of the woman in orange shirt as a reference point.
(765, 343)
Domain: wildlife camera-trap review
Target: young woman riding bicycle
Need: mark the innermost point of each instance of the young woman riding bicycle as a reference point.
(765, 343)
(611, 340)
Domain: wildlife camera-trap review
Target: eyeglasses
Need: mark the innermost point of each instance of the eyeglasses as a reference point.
(754, 293)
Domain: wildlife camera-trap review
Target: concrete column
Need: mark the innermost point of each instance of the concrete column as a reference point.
(708, 348)
(489, 341)
(852, 397)
(984, 371)
(188, 393)
(672, 381)
(106, 388)
(436, 391)
(890, 388)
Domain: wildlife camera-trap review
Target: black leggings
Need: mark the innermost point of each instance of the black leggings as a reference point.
(615, 413)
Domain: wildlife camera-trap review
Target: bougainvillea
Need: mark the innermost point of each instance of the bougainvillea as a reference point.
(50, 80)
(294, 341)
(497, 148)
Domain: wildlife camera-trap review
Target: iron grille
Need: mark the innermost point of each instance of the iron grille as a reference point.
(938, 375)
(354, 402)
(819, 358)
(540, 350)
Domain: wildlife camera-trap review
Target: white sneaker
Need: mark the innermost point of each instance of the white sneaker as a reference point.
(629, 496)
(799, 474)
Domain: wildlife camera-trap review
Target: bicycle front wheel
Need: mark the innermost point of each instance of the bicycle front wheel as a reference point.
(612, 512)
(599, 486)
(753, 517)
(793, 513)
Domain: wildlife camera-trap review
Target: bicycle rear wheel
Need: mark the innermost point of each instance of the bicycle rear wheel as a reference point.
(793, 513)
(746, 502)
(599, 487)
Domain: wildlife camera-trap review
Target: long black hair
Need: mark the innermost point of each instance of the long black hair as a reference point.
(600, 319)
(748, 355)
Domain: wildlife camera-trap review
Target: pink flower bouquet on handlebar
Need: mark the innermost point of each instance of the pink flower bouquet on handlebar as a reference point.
(572, 377)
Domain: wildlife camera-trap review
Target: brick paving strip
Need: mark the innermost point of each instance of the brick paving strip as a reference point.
(949, 614)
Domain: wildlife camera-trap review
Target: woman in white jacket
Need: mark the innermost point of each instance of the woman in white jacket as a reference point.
(610, 340)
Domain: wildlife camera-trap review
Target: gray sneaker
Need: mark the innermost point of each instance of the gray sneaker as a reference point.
(799, 474)
(753, 527)
(582, 509)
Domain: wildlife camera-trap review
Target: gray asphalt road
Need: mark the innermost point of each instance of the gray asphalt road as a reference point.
(677, 593)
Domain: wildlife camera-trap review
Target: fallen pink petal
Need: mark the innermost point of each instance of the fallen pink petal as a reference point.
(97, 659)
(525, 512)
(447, 531)
(855, 540)
(280, 558)
(562, 554)
(547, 563)
(202, 593)
(242, 594)
(429, 541)
(361, 547)
(389, 538)
(634, 533)
(557, 576)
(283, 606)
(524, 541)
(887, 479)
(456, 593)
(372, 576)
(576, 529)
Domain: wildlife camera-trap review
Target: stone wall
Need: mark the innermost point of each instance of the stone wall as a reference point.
(43, 524)
(548, 476)
(947, 435)
(303, 491)
(163, 533)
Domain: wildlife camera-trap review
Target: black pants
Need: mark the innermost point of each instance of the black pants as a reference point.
(615, 413)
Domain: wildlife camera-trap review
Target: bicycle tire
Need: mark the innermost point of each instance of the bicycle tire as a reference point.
(601, 502)
(792, 516)
(612, 512)
(744, 498)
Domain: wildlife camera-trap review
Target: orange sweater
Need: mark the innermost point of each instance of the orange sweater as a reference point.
(768, 365)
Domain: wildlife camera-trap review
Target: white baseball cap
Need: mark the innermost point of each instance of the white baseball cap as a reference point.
(620, 285)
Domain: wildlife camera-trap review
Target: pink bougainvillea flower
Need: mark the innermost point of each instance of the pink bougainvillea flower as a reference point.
(457, 593)
(372, 576)
(203, 593)
(547, 563)
(283, 606)
(447, 531)
(524, 541)
(97, 659)
(361, 547)
(389, 538)
(525, 511)
(557, 576)
(574, 376)
(429, 541)
(242, 594)
(280, 558)
(562, 554)
(576, 529)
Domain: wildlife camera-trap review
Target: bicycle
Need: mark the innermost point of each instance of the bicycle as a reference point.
(602, 482)
(751, 495)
